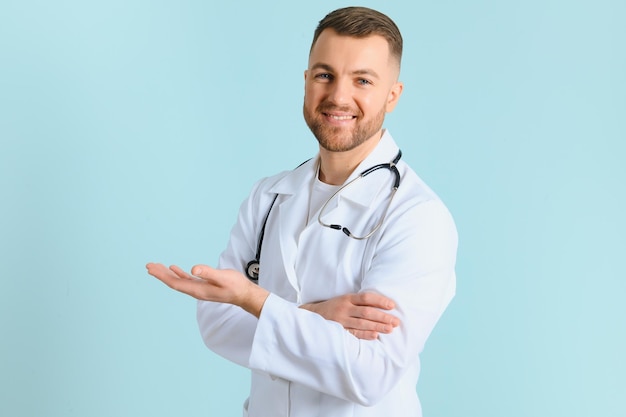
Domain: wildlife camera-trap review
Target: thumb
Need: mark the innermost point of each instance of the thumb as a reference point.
(203, 271)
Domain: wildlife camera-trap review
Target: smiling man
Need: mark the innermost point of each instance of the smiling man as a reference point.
(350, 84)
(336, 272)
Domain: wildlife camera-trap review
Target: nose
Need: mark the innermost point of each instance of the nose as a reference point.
(339, 92)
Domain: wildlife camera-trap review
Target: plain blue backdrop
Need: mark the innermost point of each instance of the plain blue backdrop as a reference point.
(130, 131)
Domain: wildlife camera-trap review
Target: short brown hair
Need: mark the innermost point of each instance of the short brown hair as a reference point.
(361, 22)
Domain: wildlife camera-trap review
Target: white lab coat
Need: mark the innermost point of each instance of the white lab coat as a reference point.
(303, 365)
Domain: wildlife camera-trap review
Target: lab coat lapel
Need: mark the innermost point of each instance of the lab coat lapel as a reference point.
(293, 204)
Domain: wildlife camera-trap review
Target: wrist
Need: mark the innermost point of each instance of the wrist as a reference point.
(254, 299)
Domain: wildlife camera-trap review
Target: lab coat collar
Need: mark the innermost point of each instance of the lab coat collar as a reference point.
(363, 191)
(294, 181)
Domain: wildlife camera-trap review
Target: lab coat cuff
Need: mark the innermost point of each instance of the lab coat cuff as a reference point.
(265, 342)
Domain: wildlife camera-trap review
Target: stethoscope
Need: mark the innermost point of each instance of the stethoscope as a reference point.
(252, 269)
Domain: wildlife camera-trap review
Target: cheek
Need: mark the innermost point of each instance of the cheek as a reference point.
(372, 103)
(311, 95)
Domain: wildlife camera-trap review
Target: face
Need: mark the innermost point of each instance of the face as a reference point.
(349, 86)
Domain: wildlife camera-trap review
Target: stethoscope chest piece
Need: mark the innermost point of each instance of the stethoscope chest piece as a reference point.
(252, 270)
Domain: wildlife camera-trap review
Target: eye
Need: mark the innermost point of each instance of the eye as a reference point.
(363, 81)
(323, 76)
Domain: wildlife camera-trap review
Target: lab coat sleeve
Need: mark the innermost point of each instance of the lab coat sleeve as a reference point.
(226, 329)
(414, 265)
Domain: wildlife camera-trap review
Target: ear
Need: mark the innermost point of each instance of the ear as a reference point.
(394, 96)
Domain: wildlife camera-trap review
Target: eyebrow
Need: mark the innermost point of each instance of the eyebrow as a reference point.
(364, 71)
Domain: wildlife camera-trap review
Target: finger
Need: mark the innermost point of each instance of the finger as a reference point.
(204, 271)
(373, 299)
(162, 273)
(375, 315)
(158, 271)
(181, 273)
(371, 326)
(366, 325)
(185, 284)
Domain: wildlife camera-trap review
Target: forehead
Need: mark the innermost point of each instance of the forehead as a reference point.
(348, 51)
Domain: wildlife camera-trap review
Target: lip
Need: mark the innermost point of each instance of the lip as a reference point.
(339, 118)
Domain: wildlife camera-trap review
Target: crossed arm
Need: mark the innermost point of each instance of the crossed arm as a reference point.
(362, 314)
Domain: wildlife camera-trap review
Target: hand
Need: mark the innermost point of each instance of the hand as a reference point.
(209, 284)
(359, 313)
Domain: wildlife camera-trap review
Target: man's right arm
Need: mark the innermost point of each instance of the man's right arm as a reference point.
(229, 331)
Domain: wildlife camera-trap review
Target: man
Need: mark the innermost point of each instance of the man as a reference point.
(337, 320)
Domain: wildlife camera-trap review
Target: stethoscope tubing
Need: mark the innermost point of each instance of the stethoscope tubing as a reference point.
(252, 269)
(390, 166)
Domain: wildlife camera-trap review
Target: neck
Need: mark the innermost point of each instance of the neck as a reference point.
(336, 167)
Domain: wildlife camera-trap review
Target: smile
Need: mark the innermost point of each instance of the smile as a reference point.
(337, 117)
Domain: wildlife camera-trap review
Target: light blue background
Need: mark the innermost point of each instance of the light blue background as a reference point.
(130, 131)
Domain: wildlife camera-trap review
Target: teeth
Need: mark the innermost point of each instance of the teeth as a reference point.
(340, 117)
